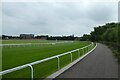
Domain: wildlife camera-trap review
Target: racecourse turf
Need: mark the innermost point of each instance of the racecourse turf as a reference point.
(19, 55)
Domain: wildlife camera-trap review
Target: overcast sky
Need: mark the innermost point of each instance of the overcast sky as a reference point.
(56, 18)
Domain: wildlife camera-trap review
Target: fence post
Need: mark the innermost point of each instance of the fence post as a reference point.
(31, 71)
(58, 62)
(87, 48)
(71, 56)
(90, 47)
(78, 52)
(82, 51)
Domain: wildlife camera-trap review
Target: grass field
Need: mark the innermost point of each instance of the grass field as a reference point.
(16, 56)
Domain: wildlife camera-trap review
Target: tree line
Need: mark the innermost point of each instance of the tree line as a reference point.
(42, 37)
(109, 32)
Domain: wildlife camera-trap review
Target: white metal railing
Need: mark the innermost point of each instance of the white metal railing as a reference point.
(84, 49)
(29, 44)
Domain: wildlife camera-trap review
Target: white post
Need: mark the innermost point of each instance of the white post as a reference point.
(58, 62)
(87, 49)
(71, 56)
(83, 51)
(78, 52)
(56, 40)
(31, 71)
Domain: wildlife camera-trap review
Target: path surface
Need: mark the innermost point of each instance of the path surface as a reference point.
(98, 64)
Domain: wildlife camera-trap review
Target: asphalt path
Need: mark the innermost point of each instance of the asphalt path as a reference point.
(98, 64)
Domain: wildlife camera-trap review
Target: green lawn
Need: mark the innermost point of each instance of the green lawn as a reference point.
(16, 56)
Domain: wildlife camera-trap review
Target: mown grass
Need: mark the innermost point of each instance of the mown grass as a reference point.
(16, 56)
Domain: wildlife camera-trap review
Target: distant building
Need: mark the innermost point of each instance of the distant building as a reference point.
(26, 36)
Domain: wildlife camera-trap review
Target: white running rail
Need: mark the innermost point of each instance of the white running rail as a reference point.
(85, 49)
(25, 44)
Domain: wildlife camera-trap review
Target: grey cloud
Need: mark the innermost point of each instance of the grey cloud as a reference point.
(103, 12)
(55, 18)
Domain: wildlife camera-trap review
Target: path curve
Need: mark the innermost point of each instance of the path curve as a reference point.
(99, 64)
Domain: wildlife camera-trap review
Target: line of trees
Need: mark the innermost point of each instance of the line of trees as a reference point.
(71, 37)
(44, 37)
(109, 32)
(10, 37)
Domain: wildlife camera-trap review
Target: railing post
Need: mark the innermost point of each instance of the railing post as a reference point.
(31, 71)
(91, 45)
(58, 62)
(71, 56)
(82, 51)
(87, 48)
(78, 52)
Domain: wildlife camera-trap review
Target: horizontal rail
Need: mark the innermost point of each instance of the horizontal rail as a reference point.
(40, 61)
(35, 43)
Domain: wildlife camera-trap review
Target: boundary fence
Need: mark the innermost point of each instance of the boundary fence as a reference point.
(84, 49)
(33, 44)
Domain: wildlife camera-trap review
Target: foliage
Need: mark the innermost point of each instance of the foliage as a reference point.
(85, 37)
(109, 32)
